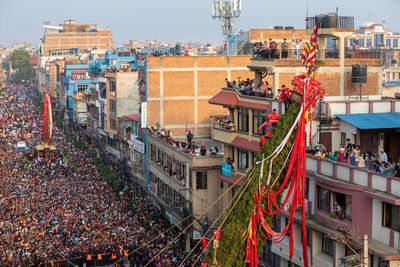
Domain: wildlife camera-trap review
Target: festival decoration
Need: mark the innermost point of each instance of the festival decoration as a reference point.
(47, 126)
(282, 167)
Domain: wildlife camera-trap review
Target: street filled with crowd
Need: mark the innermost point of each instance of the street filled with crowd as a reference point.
(58, 208)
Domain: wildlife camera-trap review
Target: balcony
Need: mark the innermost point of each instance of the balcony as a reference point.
(222, 130)
(375, 184)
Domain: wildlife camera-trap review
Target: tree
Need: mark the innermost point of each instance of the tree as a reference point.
(232, 247)
(20, 61)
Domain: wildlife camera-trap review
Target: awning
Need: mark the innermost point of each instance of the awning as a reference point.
(246, 144)
(131, 117)
(79, 72)
(234, 179)
(372, 121)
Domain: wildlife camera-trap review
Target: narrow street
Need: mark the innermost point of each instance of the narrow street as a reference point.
(61, 210)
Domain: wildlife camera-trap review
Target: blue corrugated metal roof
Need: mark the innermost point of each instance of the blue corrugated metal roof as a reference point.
(372, 121)
(392, 83)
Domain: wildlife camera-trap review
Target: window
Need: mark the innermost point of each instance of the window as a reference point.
(395, 43)
(113, 123)
(153, 153)
(343, 138)
(361, 42)
(307, 188)
(391, 216)
(113, 88)
(258, 120)
(103, 90)
(369, 42)
(201, 180)
(82, 87)
(388, 42)
(324, 199)
(243, 119)
(243, 159)
(378, 40)
(113, 108)
(327, 245)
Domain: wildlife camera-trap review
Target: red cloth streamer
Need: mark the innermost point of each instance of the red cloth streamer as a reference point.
(295, 179)
(47, 125)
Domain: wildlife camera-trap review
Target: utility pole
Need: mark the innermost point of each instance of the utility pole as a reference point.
(365, 252)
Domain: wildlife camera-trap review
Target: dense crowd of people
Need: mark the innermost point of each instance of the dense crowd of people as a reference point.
(273, 50)
(189, 146)
(58, 208)
(352, 155)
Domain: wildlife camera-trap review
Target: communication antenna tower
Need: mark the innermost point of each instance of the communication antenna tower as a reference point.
(226, 11)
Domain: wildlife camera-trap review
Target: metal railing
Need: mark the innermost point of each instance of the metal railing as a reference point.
(278, 53)
(236, 42)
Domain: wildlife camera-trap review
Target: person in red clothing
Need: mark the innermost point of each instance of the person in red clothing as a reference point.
(274, 116)
(268, 126)
(285, 96)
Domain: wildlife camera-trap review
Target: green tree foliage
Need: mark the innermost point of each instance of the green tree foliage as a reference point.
(20, 61)
(232, 245)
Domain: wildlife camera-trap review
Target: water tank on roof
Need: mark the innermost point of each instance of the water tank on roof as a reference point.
(278, 28)
(289, 28)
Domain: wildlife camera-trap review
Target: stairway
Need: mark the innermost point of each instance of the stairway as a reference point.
(236, 42)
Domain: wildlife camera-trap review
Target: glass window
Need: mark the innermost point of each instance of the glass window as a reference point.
(113, 107)
(391, 216)
(113, 88)
(113, 123)
(388, 42)
(201, 180)
(243, 119)
(361, 42)
(324, 199)
(243, 159)
(258, 120)
(378, 40)
(327, 245)
(369, 42)
(82, 87)
(395, 43)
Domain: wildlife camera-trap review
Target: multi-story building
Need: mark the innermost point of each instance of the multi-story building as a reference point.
(72, 35)
(368, 200)
(178, 89)
(122, 99)
(76, 82)
(182, 184)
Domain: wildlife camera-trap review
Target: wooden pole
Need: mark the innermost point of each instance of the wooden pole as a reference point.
(365, 253)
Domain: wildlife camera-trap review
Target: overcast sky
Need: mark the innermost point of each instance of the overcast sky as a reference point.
(176, 20)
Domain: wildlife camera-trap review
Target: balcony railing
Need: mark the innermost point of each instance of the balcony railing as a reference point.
(351, 174)
(277, 53)
(223, 123)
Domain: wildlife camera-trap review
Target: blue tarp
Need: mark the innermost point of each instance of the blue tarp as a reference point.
(372, 121)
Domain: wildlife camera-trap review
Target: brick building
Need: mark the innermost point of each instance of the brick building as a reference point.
(178, 90)
(72, 35)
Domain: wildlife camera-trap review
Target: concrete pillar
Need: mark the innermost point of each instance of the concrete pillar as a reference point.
(250, 123)
(322, 47)
(236, 118)
(276, 84)
(236, 157)
(257, 78)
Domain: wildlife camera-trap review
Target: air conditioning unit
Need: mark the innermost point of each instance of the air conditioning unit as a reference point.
(352, 260)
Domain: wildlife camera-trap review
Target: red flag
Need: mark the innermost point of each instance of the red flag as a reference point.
(313, 39)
